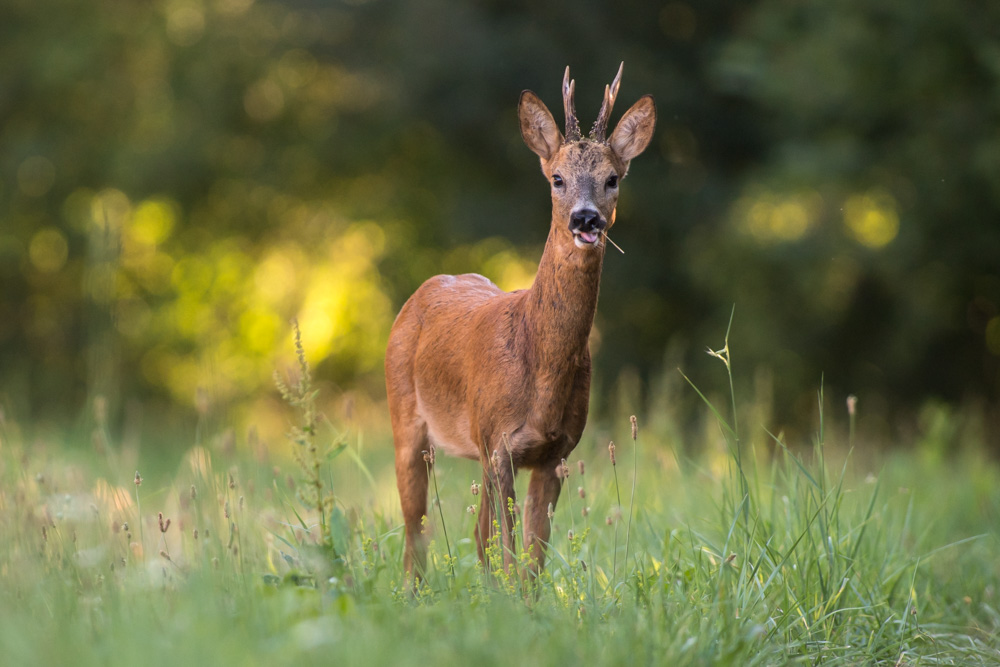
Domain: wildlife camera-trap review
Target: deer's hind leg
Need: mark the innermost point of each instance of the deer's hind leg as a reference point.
(410, 438)
(409, 435)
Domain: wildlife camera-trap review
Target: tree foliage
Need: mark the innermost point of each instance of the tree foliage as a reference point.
(181, 178)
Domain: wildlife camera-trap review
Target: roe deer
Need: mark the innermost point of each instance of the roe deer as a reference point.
(502, 377)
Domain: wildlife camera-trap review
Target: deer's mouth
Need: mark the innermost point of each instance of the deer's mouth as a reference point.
(586, 239)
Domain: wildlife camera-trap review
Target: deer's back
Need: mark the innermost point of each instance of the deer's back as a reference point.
(454, 333)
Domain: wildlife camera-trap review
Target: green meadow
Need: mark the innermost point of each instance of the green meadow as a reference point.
(753, 551)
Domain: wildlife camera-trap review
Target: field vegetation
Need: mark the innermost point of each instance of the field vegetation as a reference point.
(753, 551)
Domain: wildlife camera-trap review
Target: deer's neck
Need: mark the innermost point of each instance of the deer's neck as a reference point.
(561, 304)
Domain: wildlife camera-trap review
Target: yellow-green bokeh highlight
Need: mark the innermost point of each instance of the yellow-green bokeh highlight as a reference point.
(777, 217)
(213, 313)
(48, 250)
(871, 218)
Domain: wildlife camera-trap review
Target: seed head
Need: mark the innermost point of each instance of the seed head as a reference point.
(852, 404)
(611, 451)
(164, 525)
(551, 513)
(138, 478)
(562, 470)
(471, 509)
(635, 427)
(194, 493)
(569, 534)
(232, 482)
(607, 520)
(585, 511)
(579, 464)
(474, 489)
(583, 494)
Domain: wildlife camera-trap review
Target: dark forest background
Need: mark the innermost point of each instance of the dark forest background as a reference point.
(180, 178)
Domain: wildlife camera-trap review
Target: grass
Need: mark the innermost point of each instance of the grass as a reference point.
(769, 553)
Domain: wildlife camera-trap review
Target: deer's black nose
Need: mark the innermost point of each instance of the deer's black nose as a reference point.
(586, 220)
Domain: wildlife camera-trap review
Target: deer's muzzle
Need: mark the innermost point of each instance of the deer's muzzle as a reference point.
(586, 225)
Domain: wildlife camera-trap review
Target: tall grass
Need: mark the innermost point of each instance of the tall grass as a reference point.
(778, 554)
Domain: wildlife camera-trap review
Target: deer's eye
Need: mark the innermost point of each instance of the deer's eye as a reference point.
(557, 181)
(612, 181)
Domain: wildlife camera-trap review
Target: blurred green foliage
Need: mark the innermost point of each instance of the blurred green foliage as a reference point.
(180, 178)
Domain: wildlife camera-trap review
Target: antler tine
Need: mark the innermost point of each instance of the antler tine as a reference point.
(569, 107)
(610, 93)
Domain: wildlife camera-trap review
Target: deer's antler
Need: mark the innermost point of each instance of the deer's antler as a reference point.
(572, 124)
(610, 93)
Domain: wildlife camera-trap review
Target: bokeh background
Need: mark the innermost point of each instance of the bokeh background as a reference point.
(181, 178)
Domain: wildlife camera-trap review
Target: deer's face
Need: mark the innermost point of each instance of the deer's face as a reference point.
(584, 173)
(584, 178)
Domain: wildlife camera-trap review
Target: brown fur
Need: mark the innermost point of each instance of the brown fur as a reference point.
(502, 377)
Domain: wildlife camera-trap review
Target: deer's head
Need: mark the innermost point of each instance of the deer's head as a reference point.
(584, 172)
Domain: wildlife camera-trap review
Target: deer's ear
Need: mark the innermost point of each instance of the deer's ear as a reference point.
(634, 130)
(538, 128)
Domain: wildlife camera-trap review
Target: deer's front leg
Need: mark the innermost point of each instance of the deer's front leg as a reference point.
(498, 499)
(543, 491)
